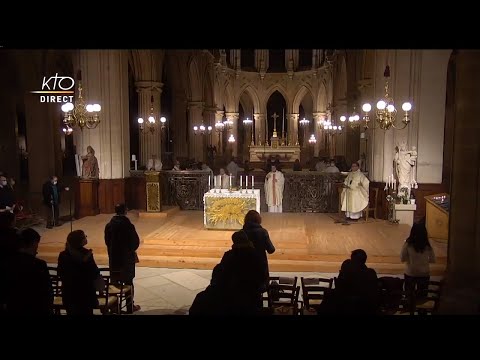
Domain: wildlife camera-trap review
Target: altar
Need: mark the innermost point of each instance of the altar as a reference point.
(287, 153)
(225, 209)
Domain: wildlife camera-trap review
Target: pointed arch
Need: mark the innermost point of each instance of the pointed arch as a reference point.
(194, 81)
(252, 93)
(297, 100)
(281, 90)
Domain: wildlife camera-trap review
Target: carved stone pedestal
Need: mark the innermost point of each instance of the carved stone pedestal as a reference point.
(152, 185)
(404, 213)
(86, 198)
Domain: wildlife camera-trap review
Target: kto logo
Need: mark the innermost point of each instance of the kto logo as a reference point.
(54, 86)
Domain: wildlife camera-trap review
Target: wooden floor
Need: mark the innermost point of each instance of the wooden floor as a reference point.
(304, 242)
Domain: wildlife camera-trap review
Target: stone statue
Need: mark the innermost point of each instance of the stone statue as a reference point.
(404, 162)
(90, 165)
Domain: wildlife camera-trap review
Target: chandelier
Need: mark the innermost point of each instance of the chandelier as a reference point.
(312, 139)
(151, 119)
(202, 129)
(386, 113)
(249, 122)
(231, 138)
(81, 115)
(353, 120)
(67, 130)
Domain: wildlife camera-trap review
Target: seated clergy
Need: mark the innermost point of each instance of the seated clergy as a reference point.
(222, 181)
(154, 164)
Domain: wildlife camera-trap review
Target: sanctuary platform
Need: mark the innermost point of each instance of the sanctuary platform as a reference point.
(304, 241)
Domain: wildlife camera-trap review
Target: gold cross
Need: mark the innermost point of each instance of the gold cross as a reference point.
(275, 116)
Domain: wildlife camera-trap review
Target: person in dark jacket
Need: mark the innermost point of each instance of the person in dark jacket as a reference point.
(237, 282)
(260, 239)
(51, 199)
(28, 286)
(122, 243)
(80, 276)
(356, 288)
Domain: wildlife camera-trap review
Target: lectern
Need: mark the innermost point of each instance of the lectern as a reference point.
(152, 183)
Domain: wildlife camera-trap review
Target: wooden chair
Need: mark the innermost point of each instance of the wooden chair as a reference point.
(313, 293)
(372, 205)
(107, 302)
(283, 294)
(429, 304)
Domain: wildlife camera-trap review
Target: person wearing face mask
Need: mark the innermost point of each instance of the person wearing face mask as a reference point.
(51, 199)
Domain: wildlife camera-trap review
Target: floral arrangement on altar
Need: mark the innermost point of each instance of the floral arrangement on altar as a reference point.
(403, 195)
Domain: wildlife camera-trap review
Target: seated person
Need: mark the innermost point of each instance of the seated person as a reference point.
(222, 180)
(297, 166)
(154, 164)
(320, 165)
(205, 167)
(331, 168)
(7, 196)
(176, 167)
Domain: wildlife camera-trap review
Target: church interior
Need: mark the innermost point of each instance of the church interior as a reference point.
(154, 129)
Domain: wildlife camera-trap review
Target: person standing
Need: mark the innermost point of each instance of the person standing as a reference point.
(261, 240)
(122, 243)
(274, 185)
(417, 254)
(355, 193)
(51, 199)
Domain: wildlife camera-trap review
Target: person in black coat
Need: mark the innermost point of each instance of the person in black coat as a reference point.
(122, 243)
(260, 239)
(27, 281)
(237, 282)
(80, 276)
(51, 191)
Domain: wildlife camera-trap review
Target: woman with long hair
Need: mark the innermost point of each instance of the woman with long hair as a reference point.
(417, 254)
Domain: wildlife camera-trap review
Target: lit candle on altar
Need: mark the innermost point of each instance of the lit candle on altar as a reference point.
(230, 180)
(215, 182)
(246, 181)
(209, 183)
(252, 182)
(241, 183)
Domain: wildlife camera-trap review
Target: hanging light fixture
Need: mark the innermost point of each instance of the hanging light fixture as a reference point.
(81, 115)
(231, 138)
(312, 139)
(386, 113)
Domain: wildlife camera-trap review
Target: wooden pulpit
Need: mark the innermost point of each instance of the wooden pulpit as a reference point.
(152, 184)
(437, 215)
(86, 198)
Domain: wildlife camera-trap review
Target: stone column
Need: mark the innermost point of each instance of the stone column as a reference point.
(195, 118)
(462, 286)
(293, 128)
(150, 143)
(209, 115)
(340, 140)
(179, 124)
(234, 117)
(318, 118)
(259, 128)
(105, 81)
(218, 135)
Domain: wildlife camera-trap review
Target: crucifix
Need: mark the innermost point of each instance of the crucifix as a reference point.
(275, 116)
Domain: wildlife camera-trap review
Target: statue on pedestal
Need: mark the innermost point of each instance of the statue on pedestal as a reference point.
(90, 165)
(404, 161)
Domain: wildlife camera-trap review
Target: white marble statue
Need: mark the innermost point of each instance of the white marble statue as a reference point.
(404, 162)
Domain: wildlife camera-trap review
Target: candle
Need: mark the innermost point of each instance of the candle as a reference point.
(241, 183)
(252, 182)
(246, 181)
(134, 157)
(209, 187)
(230, 180)
(215, 182)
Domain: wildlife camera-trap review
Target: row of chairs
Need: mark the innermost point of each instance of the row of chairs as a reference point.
(114, 298)
(283, 293)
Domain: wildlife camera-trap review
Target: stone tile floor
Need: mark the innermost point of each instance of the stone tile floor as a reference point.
(162, 291)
